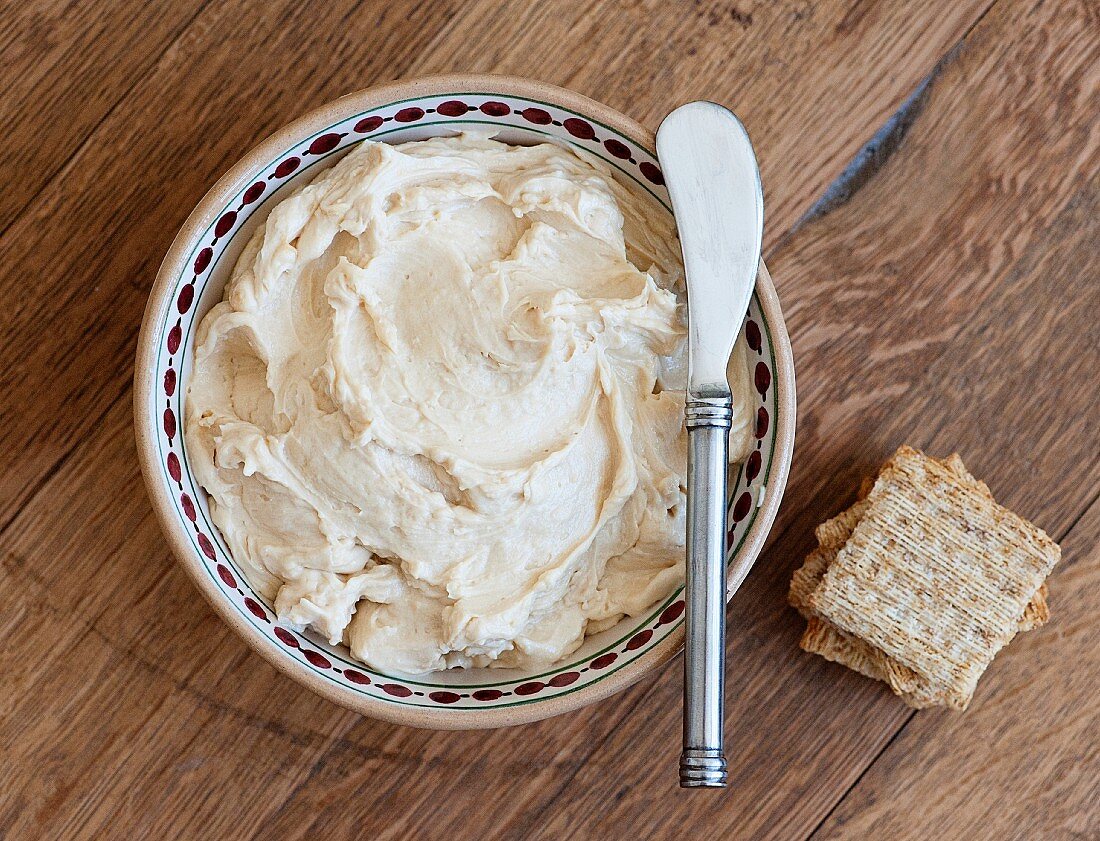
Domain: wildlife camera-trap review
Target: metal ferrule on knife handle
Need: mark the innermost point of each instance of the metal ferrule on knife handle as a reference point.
(709, 411)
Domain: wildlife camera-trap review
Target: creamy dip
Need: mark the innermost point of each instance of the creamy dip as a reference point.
(437, 412)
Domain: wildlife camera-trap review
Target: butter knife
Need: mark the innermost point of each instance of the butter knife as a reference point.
(714, 183)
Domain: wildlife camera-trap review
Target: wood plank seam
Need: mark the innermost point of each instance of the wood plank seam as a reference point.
(438, 36)
(441, 34)
(60, 171)
(151, 68)
(533, 821)
(859, 778)
(859, 171)
(91, 626)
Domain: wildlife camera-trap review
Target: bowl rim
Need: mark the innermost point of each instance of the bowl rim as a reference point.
(151, 334)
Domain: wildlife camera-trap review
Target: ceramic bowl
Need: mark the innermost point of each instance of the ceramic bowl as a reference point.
(191, 281)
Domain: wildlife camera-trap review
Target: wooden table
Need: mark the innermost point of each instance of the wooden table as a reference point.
(932, 174)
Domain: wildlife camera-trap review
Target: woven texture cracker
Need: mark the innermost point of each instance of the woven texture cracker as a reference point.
(935, 575)
(826, 640)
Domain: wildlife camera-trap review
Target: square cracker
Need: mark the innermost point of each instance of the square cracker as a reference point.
(935, 575)
(833, 644)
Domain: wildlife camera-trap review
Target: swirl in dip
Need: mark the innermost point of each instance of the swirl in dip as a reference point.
(437, 412)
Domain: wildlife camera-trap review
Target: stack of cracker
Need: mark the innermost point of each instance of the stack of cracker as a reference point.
(923, 580)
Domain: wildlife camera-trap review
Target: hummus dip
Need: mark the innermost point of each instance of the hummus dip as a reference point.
(439, 413)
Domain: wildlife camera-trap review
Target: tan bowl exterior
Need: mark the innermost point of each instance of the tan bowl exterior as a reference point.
(160, 299)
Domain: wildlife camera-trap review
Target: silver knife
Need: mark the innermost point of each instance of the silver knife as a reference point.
(712, 177)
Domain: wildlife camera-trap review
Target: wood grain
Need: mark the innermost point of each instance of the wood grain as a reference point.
(941, 291)
(65, 66)
(138, 184)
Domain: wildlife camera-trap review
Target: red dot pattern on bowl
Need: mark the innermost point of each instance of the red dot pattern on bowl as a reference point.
(518, 113)
(253, 193)
(174, 469)
(409, 115)
(255, 608)
(175, 336)
(208, 549)
(202, 260)
(762, 420)
(188, 508)
(650, 171)
(324, 144)
(286, 167)
(580, 128)
(537, 116)
(605, 660)
(318, 659)
(286, 637)
(369, 124)
(225, 224)
(671, 613)
(752, 466)
(639, 639)
(184, 299)
(742, 507)
(617, 148)
(752, 335)
(225, 575)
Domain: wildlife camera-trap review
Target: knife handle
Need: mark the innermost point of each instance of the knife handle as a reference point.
(708, 421)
